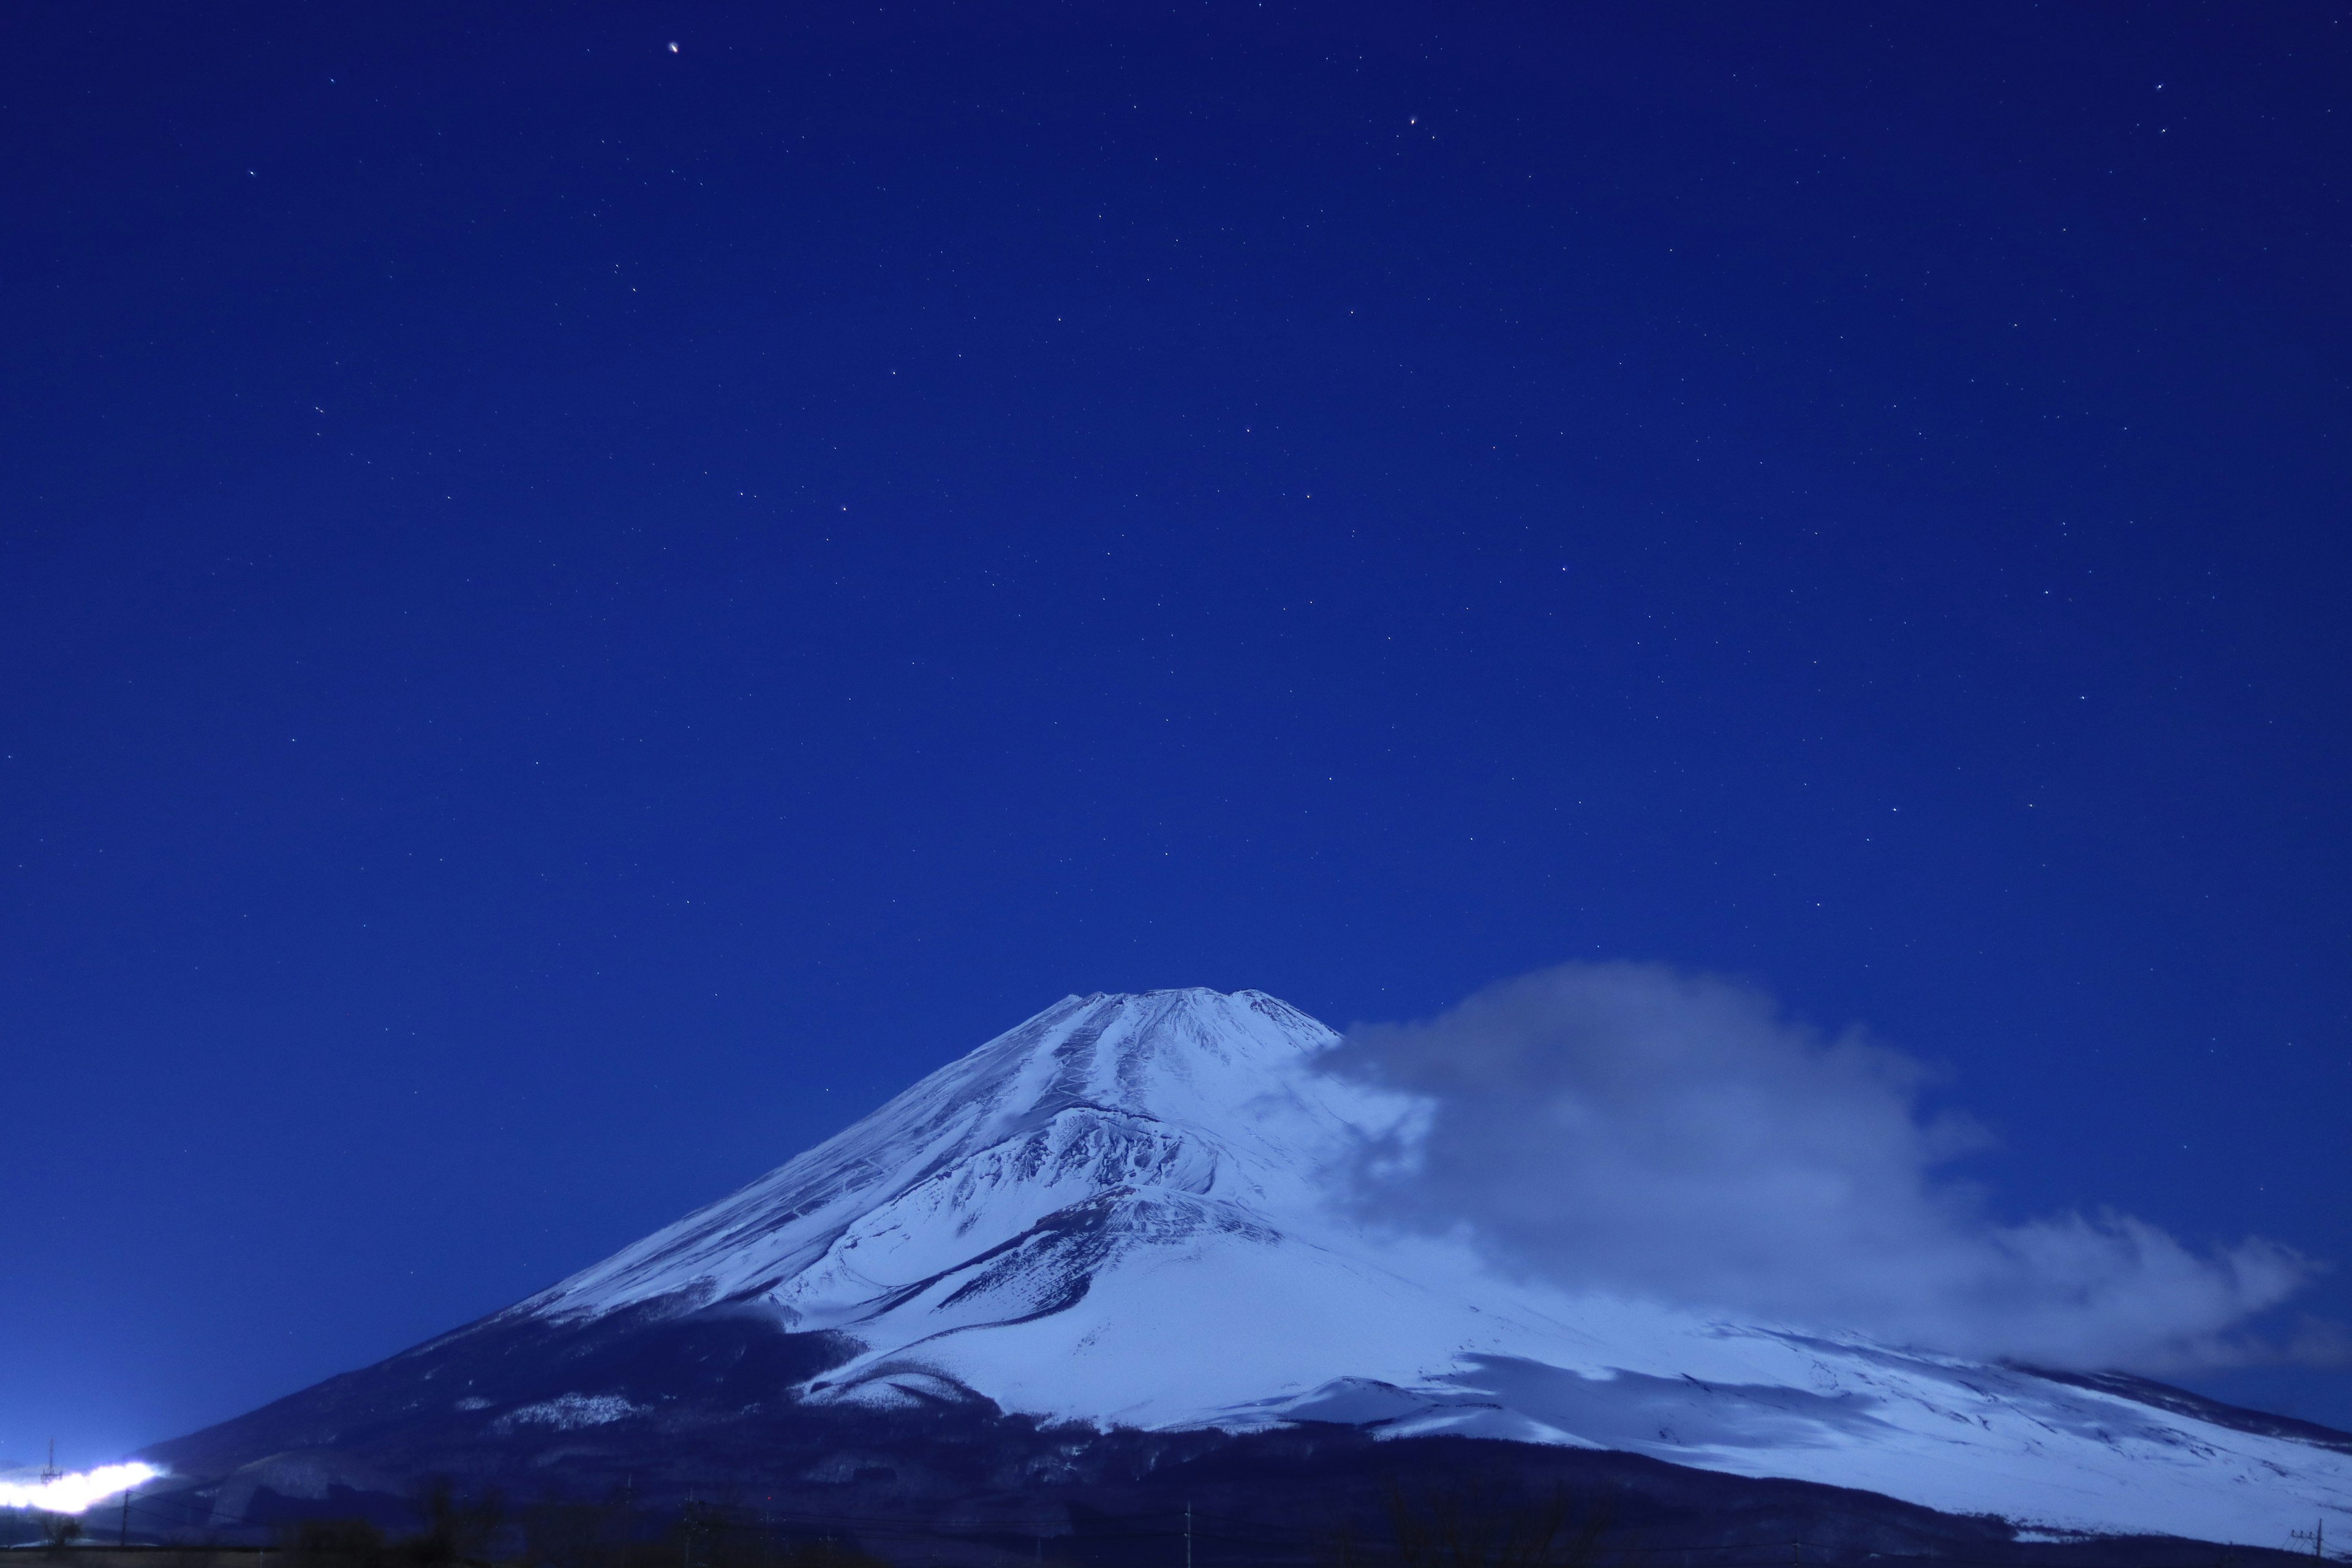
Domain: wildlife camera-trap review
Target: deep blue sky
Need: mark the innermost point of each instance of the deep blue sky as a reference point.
(574, 615)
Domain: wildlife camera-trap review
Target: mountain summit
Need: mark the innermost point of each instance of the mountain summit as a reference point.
(1131, 1212)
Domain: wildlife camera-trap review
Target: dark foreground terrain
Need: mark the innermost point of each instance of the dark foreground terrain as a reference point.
(661, 1441)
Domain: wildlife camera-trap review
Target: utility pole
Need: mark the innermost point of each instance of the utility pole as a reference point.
(123, 1538)
(1188, 1532)
(2316, 1535)
(49, 1472)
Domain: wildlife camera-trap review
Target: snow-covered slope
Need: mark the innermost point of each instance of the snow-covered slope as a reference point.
(1123, 1211)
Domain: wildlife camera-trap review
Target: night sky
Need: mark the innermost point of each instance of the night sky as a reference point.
(575, 612)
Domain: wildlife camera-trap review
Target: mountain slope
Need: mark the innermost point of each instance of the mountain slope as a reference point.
(1121, 1213)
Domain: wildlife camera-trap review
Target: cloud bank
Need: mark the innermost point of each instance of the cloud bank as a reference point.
(1638, 1128)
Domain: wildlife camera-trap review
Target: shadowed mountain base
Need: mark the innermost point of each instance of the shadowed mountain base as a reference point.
(687, 1408)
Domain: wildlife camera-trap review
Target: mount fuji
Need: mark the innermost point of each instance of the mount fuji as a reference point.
(1125, 1219)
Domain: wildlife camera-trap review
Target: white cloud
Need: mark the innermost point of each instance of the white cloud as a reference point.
(1634, 1128)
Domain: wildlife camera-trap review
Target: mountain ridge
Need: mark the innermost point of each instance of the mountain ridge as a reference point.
(1126, 1213)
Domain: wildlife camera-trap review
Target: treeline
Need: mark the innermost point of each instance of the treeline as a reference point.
(1466, 1527)
(1469, 1527)
(471, 1533)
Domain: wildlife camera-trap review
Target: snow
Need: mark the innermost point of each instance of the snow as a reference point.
(567, 1412)
(1124, 1212)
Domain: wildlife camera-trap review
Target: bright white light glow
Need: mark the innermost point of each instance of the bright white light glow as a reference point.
(73, 1493)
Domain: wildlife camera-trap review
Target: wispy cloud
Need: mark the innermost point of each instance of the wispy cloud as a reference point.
(1640, 1129)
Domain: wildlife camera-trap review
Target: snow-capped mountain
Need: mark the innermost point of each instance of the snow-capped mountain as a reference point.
(1122, 1211)
(1128, 1212)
